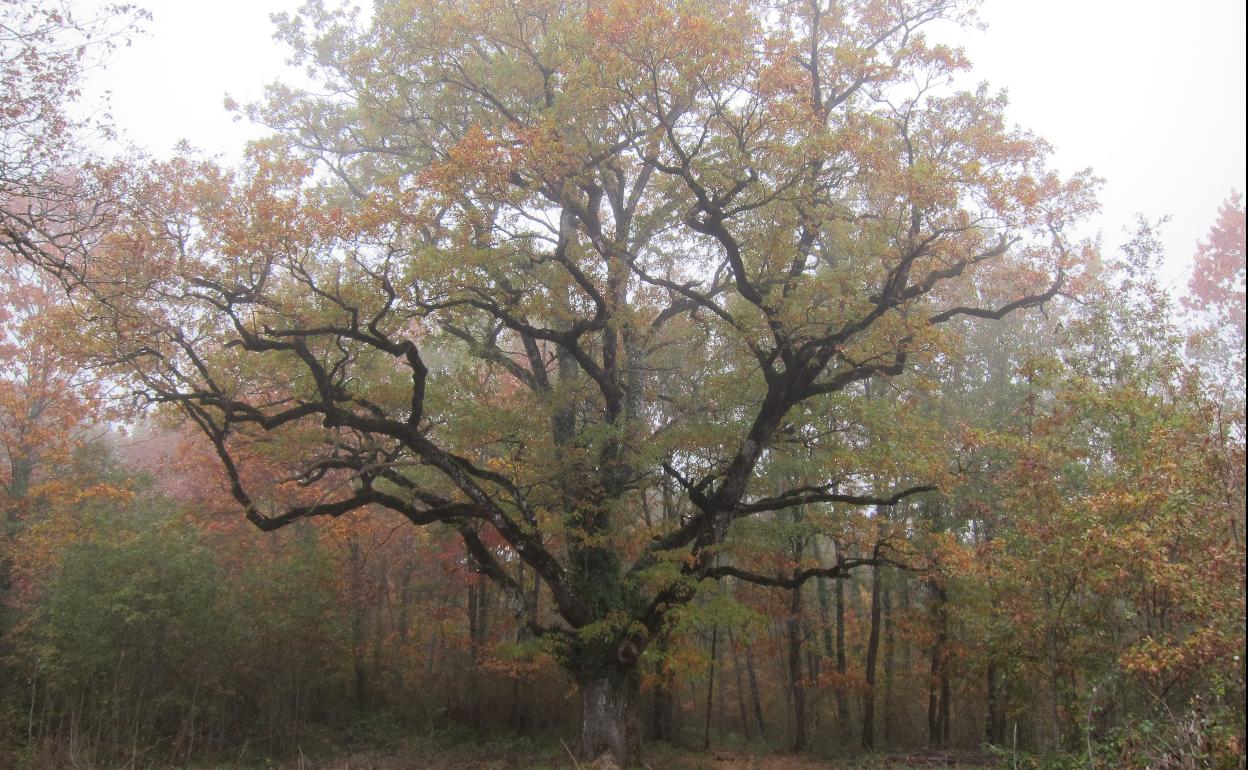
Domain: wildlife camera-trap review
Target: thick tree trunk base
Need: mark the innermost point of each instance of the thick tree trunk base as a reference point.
(611, 721)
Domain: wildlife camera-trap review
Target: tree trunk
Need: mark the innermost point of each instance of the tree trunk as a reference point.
(842, 663)
(944, 705)
(873, 648)
(23, 470)
(518, 719)
(890, 667)
(933, 713)
(754, 694)
(736, 670)
(995, 732)
(825, 621)
(938, 683)
(475, 635)
(710, 691)
(610, 719)
(796, 685)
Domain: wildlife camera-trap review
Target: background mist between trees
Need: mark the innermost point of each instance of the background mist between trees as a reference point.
(804, 326)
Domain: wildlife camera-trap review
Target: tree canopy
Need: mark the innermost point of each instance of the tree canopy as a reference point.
(526, 262)
(606, 289)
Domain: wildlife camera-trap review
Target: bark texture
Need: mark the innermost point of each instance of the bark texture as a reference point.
(611, 720)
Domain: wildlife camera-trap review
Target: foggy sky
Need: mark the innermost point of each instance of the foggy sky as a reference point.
(1149, 94)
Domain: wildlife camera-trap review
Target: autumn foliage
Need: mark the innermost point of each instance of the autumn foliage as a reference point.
(718, 367)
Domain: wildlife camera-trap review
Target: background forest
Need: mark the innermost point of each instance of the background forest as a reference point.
(1005, 513)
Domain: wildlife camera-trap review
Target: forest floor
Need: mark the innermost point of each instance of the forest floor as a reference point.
(505, 754)
(463, 749)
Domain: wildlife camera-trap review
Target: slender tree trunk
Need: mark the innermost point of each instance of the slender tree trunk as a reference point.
(721, 696)
(796, 685)
(813, 673)
(736, 670)
(754, 694)
(890, 666)
(477, 634)
(563, 422)
(825, 621)
(907, 647)
(873, 646)
(519, 708)
(995, 732)
(842, 663)
(944, 705)
(933, 704)
(710, 690)
(22, 470)
(937, 698)
(663, 720)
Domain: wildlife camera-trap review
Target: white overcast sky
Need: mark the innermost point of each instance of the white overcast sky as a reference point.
(1149, 93)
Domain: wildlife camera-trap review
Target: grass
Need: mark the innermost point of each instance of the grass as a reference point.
(386, 746)
(461, 750)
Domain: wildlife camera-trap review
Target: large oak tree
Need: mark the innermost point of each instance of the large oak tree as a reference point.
(525, 268)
